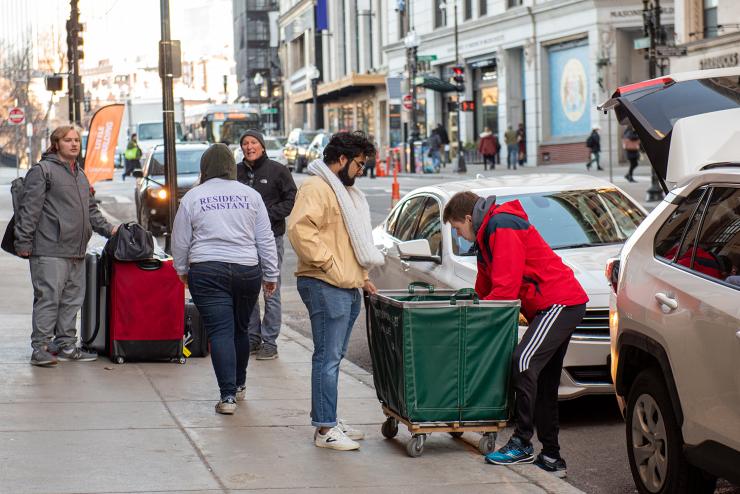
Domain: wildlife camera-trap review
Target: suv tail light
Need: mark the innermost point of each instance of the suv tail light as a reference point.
(612, 272)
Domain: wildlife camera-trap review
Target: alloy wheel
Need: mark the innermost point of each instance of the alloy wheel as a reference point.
(649, 445)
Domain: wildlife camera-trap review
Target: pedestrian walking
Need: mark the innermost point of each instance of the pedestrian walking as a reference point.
(514, 262)
(512, 148)
(631, 146)
(275, 185)
(54, 223)
(132, 157)
(224, 250)
(445, 138)
(487, 146)
(331, 234)
(435, 150)
(521, 141)
(593, 143)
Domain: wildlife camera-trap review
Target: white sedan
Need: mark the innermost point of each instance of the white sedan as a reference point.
(584, 219)
(273, 148)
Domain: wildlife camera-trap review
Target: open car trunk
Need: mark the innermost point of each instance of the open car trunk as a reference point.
(654, 107)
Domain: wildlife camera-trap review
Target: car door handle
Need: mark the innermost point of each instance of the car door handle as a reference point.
(405, 265)
(738, 335)
(668, 303)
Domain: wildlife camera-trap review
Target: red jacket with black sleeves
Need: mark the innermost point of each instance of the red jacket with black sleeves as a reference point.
(515, 262)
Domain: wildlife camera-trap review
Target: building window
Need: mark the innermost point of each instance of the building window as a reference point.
(297, 49)
(402, 26)
(482, 8)
(468, 9)
(710, 18)
(513, 3)
(440, 13)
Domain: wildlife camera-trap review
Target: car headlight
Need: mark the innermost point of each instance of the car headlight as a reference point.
(160, 194)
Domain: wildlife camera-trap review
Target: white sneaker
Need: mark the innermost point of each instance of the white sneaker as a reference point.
(334, 439)
(241, 393)
(354, 434)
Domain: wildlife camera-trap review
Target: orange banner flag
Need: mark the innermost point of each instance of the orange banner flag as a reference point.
(101, 142)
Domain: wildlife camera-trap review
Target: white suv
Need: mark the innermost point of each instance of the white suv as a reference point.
(675, 309)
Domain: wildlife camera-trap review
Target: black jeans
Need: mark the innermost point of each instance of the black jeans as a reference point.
(225, 295)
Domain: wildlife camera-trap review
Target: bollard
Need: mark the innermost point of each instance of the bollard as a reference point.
(395, 189)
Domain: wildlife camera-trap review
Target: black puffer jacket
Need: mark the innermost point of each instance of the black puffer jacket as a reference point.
(276, 186)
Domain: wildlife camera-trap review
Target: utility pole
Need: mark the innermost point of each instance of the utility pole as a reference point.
(169, 68)
(412, 45)
(654, 30)
(74, 55)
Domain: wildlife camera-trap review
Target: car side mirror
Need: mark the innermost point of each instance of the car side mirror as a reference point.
(417, 250)
(138, 173)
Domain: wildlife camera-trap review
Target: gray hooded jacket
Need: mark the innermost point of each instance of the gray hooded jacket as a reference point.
(57, 222)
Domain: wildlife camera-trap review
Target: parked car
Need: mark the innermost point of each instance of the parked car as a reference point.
(273, 148)
(584, 219)
(316, 148)
(296, 148)
(150, 195)
(675, 304)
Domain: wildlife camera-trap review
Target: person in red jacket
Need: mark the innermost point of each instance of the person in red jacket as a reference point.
(487, 146)
(515, 262)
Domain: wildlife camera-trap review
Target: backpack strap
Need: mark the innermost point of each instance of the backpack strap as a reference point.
(47, 175)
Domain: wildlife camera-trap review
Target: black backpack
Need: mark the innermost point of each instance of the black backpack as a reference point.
(130, 243)
(17, 189)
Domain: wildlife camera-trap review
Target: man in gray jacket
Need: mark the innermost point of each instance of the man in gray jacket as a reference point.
(53, 225)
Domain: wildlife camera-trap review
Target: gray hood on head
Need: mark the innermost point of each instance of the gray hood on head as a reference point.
(480, 210)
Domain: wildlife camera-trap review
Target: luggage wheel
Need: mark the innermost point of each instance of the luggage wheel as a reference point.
(487, 443)
(182, 360)
(119, 360)
(415, 446)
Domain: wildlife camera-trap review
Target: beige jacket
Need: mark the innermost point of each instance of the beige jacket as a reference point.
(320, 239)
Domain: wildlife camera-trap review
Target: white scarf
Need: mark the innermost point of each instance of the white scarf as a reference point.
(356, 215)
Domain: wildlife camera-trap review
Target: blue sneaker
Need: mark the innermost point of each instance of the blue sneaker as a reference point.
(512, 453)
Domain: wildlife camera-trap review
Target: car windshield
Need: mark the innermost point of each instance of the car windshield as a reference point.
(272, 145)
(569, 219)
(155, 132)
(188, 161)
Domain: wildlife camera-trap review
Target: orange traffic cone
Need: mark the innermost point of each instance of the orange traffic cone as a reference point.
(379, 171)
(395, 189)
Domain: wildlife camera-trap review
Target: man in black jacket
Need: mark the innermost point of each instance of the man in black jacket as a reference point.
(276, 186)
(594, 144)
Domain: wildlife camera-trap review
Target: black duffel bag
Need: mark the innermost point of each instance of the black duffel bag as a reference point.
(130, 243)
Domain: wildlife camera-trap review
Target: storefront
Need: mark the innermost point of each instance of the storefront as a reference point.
(485, 93)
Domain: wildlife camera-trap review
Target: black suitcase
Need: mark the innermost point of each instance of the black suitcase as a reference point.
(94, 315)
(196, 339)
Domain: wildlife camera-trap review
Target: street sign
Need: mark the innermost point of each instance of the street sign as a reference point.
(671, 51)
(16, 116)
(407, 102)
(269, 111)
(641, 43)
(426, 58)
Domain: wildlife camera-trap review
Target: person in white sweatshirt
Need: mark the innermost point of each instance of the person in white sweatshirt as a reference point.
(224, 250)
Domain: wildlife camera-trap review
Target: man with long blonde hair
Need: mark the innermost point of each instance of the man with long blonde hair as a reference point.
(55, 221)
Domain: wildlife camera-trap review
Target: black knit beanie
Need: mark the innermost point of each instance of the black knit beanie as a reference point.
(217, 162)
(256, 134)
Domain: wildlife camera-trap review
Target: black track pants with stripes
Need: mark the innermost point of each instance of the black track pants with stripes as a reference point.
(537, 364)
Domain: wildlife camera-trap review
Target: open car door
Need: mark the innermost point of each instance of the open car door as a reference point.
(654, 107)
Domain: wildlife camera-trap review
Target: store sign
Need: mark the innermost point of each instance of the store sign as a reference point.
(489, 62)
(638, 12)
(720, 62)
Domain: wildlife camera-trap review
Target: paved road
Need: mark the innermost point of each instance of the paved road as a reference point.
(592, 429)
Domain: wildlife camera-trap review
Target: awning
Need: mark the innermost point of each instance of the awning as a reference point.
(435, 84)
(333, 90)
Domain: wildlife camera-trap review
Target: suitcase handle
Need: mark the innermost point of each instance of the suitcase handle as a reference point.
(149, 264)
(463, 294)
(420, 284)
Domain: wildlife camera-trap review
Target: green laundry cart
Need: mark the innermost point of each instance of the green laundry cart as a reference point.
(442, 362)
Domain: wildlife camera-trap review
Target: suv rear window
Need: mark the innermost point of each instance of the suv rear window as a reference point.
(670, 235)
(664, 106)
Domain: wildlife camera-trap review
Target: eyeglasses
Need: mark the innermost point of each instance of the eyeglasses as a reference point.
(360, 164)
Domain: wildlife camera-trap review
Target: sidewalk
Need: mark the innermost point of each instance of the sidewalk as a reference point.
(151, 427)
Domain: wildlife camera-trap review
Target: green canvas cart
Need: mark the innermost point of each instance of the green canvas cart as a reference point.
(442, 361)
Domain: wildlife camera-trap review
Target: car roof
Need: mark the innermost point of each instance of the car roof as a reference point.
(519, 184)
(185, 145)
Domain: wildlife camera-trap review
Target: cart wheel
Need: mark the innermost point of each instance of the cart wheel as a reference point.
(182, 360)
(119, 360)
(487, 443)
(456, 435)
(415, 446)
(389, 428)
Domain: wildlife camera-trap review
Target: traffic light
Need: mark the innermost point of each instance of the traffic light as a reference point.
(75, 41)
(467, 106)
(458, 75)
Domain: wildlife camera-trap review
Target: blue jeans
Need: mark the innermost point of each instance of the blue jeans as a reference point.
(266, 330)
(333, 312)
(225, 295)
(513, 156)
(436, 159)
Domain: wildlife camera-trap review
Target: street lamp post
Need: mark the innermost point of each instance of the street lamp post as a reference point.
(258, 81)
(314, 74)
(461, 168)
(412, 44)
(654, 30)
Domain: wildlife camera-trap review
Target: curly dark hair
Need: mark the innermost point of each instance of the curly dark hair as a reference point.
(349, 144)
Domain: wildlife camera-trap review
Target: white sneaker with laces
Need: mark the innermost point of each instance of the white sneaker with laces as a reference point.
(334, 439)
(354, 434)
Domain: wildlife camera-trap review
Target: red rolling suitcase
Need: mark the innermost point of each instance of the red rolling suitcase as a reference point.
(146, 310)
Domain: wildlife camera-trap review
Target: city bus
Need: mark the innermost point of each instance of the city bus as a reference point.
(220, 122)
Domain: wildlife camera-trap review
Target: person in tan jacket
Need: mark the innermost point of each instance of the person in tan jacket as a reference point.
(331, 234)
